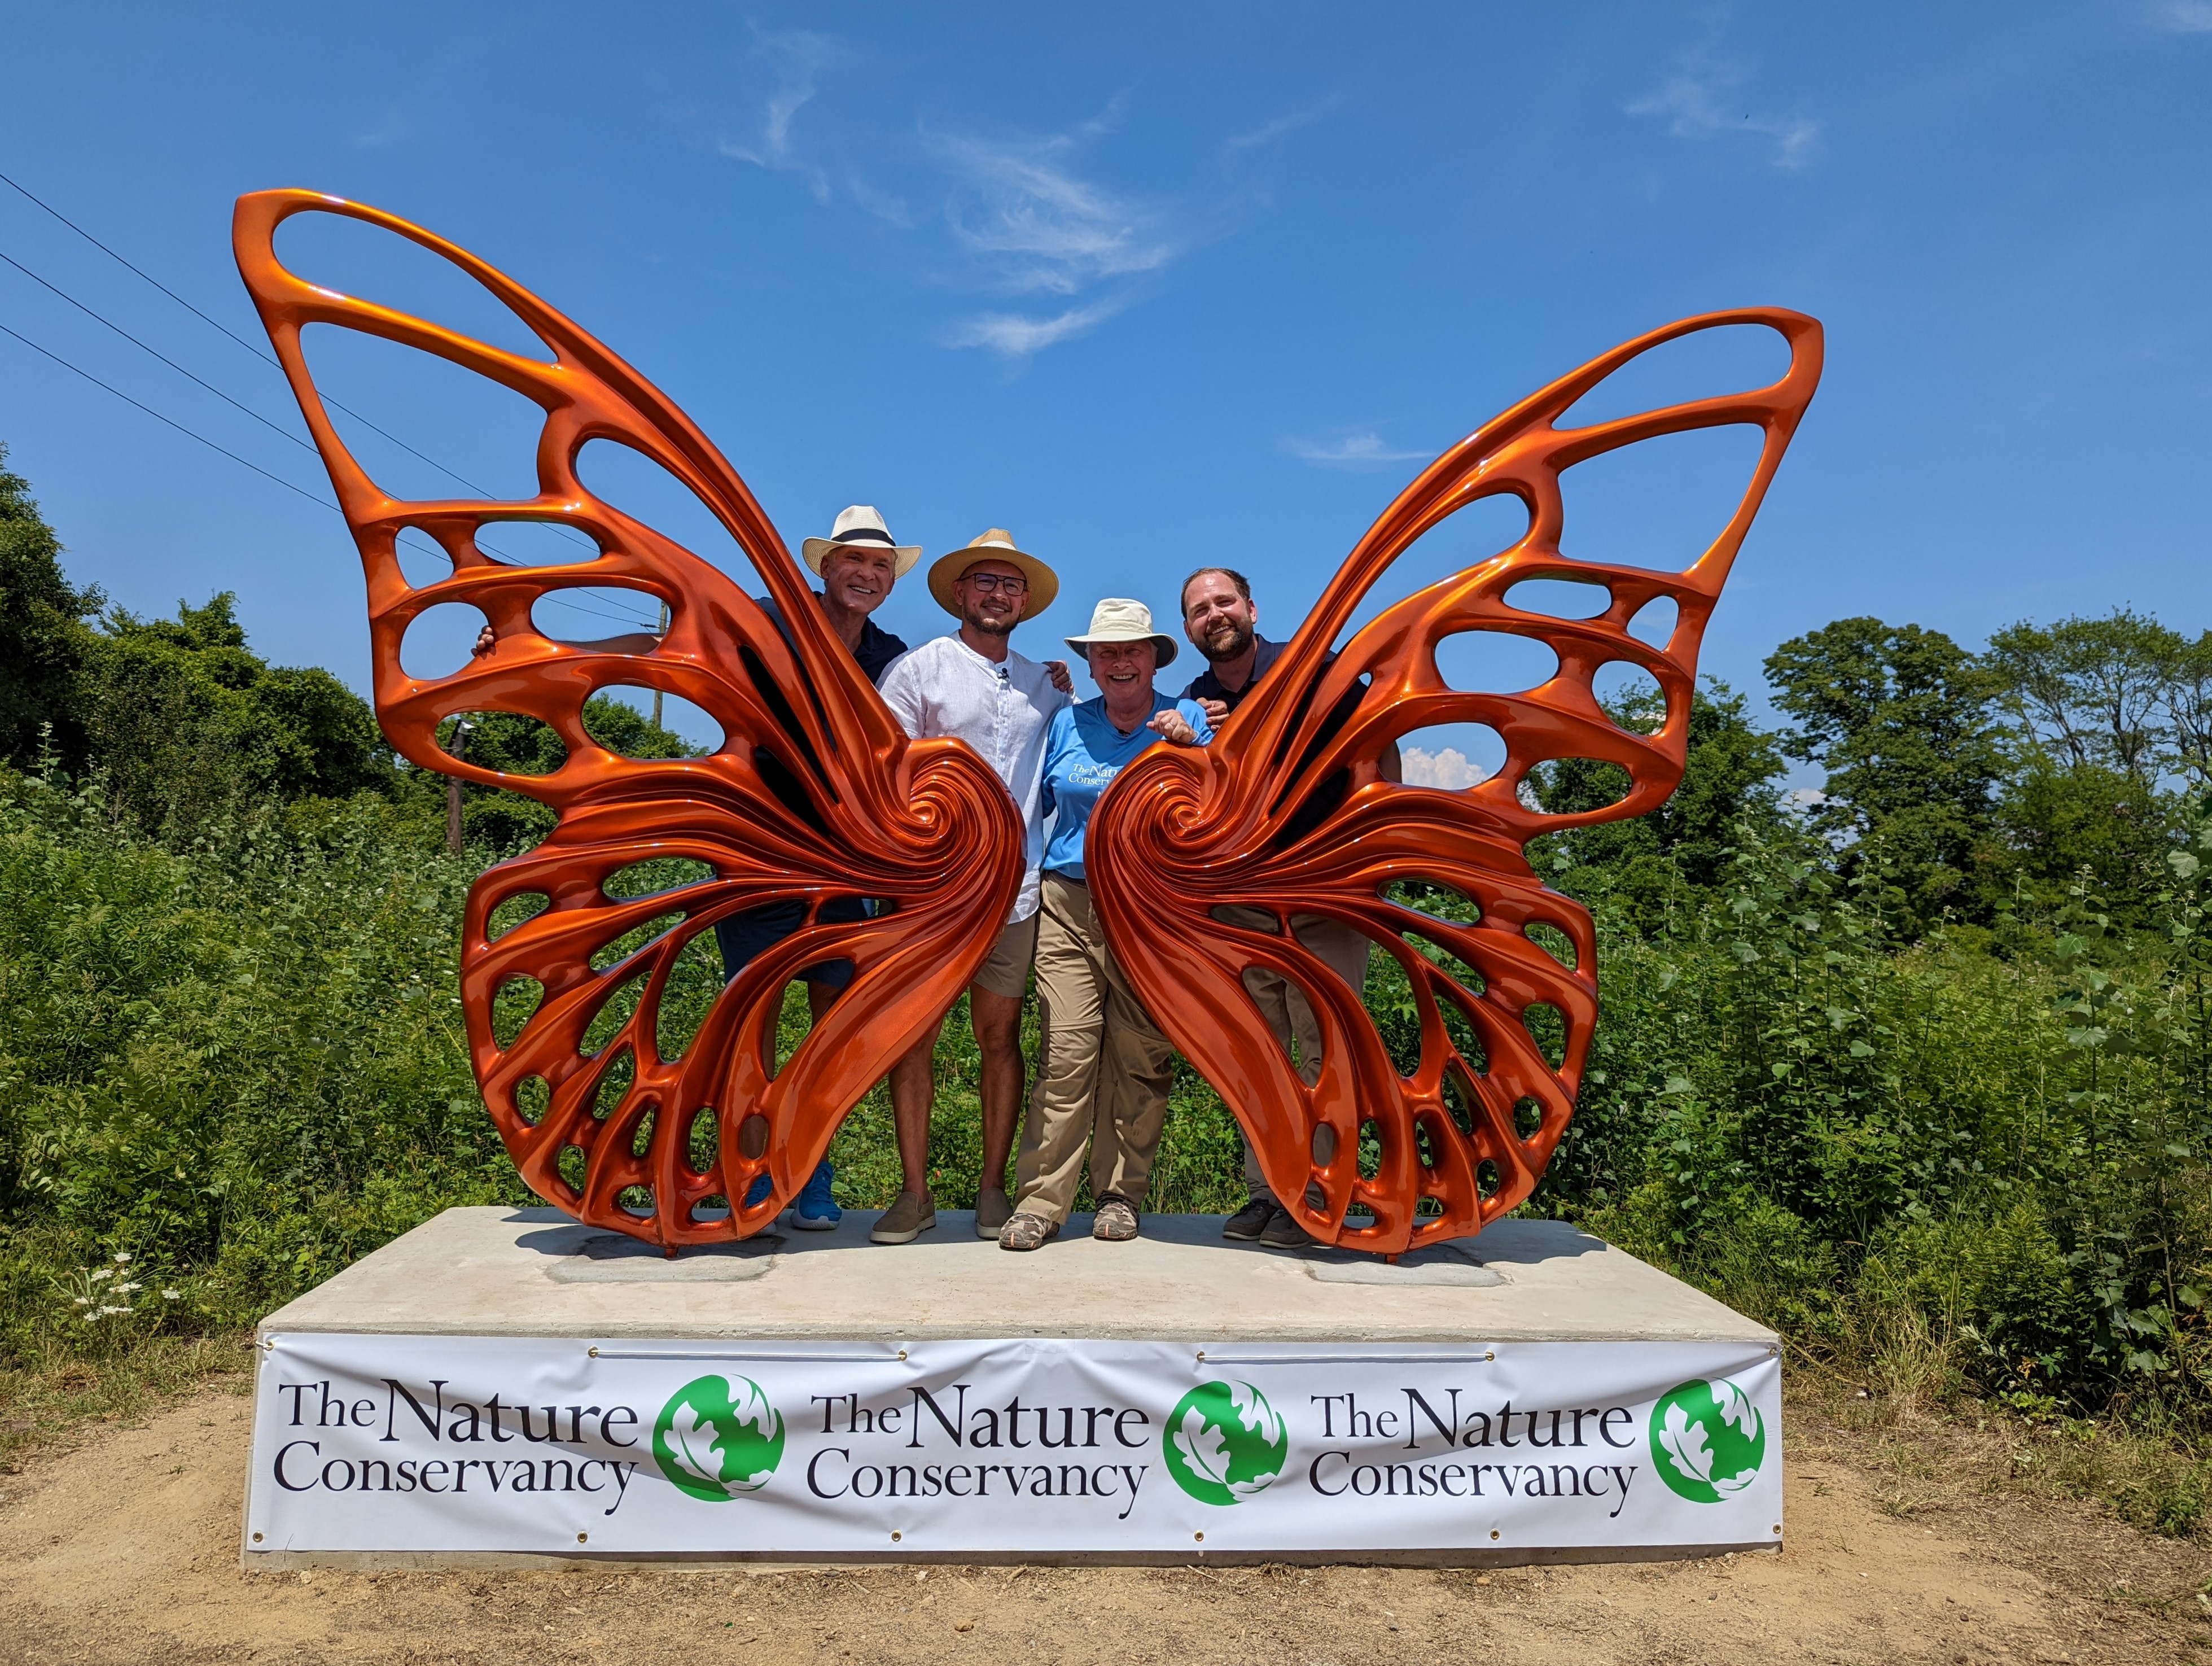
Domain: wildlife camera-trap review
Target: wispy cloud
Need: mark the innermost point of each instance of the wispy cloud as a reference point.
(2183, 17)
(1696, 101)
(799, 57)
(1018, 338)
(1023, 208)
(1267, 132)
(1351, 451)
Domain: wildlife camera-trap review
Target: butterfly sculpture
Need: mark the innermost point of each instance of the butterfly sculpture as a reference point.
(815, 794)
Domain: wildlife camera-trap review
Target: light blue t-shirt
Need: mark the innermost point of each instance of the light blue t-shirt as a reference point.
(1083, 753)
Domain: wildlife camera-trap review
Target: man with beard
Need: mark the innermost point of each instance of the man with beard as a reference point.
(858, 563)
(972, 685)
(1219, 618)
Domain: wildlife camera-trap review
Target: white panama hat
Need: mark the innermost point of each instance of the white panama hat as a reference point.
(994, 543)
(1117, 619)
(862, 528)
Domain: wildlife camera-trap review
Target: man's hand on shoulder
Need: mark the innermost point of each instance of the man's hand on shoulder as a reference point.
(1215, 710)
(1057, 670)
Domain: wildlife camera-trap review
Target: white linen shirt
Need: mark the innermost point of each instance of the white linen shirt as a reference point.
(945, 688)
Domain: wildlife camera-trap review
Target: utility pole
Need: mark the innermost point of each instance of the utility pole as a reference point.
(656, 693)
(460, 749)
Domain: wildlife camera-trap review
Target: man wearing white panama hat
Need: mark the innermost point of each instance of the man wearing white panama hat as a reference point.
(858, 563)
(971, 685)
(1104, 1075)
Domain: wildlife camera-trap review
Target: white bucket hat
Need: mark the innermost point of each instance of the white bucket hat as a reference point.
(1117, 619)
(862, 528)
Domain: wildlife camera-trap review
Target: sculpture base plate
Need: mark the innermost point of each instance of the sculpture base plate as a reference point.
(506, 1385)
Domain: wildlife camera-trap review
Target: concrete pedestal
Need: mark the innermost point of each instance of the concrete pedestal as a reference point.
(1516, 1387)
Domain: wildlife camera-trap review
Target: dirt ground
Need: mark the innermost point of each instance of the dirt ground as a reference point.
(1899, 1550)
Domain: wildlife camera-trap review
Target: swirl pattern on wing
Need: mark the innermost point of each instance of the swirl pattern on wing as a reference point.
(1182, 833)
(815, 794)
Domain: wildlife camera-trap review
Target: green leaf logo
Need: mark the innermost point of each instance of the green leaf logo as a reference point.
(717, 1438)
(1224, 1442)
(1708, 1440)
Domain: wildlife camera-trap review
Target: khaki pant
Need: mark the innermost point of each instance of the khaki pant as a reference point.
(1103, 1069)
(1284, 1005)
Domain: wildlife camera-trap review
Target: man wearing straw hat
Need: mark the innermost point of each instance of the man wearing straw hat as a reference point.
(971, 685)
(1106, 1068)
(858, 563)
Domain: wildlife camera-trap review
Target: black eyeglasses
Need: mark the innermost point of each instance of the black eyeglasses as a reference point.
(1012, 584)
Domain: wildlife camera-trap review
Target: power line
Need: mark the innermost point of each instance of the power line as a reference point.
(297, 490)
(258, 353)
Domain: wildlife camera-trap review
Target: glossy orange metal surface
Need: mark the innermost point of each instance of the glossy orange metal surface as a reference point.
(848, 808)
(1184, 831)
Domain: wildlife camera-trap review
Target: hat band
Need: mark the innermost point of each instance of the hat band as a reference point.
(865, 535)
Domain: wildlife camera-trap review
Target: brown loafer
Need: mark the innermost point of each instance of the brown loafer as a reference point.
(993, 1211)
(911, 1214)
(1115, 1221)
(1027, 1231)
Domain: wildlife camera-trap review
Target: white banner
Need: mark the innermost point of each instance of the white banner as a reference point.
(427, 1443)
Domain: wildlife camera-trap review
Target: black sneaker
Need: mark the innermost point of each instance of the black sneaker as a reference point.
(1284, 1232)
(1249, 1222)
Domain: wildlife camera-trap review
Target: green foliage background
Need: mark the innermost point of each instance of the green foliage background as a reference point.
(1921, 1063)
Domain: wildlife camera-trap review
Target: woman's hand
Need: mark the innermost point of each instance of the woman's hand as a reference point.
(1174, 728)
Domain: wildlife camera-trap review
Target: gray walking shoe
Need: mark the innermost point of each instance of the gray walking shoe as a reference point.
(1027, 1231)
(907, 1220)
(1284, 1232)
(1249, 1222)
(1115, 1221)
(993, 1210)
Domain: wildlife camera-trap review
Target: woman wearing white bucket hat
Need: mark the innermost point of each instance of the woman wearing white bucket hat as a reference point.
(1104, 1068)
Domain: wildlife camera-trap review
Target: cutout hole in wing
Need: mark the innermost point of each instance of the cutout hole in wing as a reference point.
(535, 543)
(709, 1210)
(1323, 1145)
(1466, 1039)
(640, 1139)
(608, 954)
(652, 877)
(532, 1096)
(1551, 940)
(514, 1006)
(1487, 1179)
(702, 1141)
(753, 1138)
(1433, 898)
(1705, 364)
(628, 480)
(512, 911)
(608, 1021)
(614, 1081)
(337, 252)
(1450, 964)
(1452, 756)
(572, 1166)
(507, 741)
(688, 997)
(1463, 539)
(1497, 661)
(422, 560)
(1575, 785)
(1424, 1149)
(637, 1199)
(441, 433)
(439, 641)
(1631, 696)
(1371, 1149)
(1655, 622)
(1559, 598)
(1660, 503)
(1528, 1117)
(620, 718)
(583, 614)
(1548, 1026)
(1462, 1103)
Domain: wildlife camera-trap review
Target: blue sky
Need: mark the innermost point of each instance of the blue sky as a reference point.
(1153, 285)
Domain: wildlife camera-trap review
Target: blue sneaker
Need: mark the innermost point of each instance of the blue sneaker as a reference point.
(760, 1190)
(815, 1212)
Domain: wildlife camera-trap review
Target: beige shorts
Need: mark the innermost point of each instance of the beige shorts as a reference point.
(1007, 971)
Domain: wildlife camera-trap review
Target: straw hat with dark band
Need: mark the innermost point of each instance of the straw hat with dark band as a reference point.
(995, 544)
(861, 528)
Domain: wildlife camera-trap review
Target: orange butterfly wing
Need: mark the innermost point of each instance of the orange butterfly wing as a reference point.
(862, 810)
(1183, 832)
